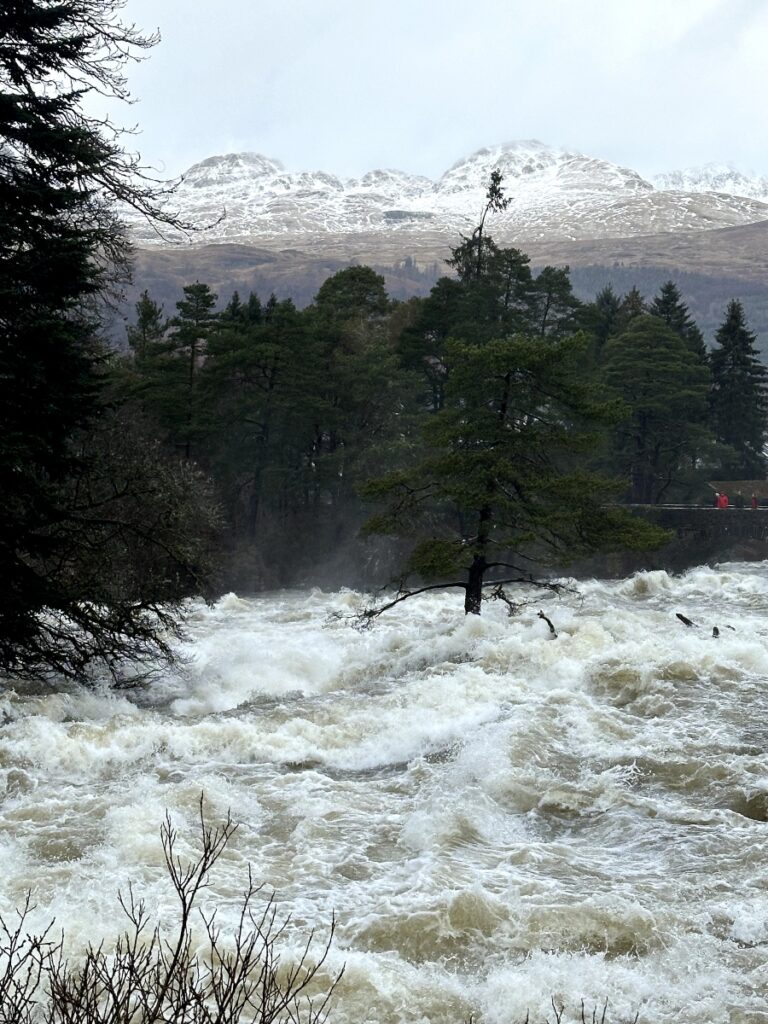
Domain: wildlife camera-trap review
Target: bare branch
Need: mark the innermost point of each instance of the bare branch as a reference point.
(152, 979)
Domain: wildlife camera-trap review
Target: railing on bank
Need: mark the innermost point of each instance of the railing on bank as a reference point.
(708, 522)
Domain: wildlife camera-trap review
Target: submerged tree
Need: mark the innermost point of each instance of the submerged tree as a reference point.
(501, 481)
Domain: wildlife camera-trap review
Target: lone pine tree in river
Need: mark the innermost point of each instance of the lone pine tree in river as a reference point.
(501, 476)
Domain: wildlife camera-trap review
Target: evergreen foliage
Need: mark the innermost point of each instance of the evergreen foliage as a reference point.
(739, 397)
(502, 475)
(554, 306)
(632, 306)
(191, 328)
(664, 387)
(501, 479)
(669, 307)
(477, 419)
(258, 389)
(600, 320)
(357, 293)
(473, 418)
(61, 246)
(145, 335)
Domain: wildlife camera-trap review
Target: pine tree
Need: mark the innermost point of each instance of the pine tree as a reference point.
(61, 175)
(554, 306)
(669, 307)
(739, 396)
(253, 309)
(356, 293)
(234, 311)
(632, 306)
(470, 257)
(192, 326)
(601, 318)
(259, 402)
(664, 388)
(501, 480)
(500, 473)
(148, 329)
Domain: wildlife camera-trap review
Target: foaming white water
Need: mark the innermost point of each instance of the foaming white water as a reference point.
(494, 816)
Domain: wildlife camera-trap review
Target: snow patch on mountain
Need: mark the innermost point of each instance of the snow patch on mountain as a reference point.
(553, 194)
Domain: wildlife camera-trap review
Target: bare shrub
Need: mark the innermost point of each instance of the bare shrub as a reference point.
(151, 976)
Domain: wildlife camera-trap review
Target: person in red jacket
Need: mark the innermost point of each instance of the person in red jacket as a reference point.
(722, 501)
(753, 500)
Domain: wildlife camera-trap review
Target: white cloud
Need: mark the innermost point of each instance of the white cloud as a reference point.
(348, 86)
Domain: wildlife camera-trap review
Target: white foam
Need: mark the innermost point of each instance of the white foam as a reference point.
(495, 816)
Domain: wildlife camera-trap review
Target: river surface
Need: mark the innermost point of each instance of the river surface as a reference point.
(495, 817)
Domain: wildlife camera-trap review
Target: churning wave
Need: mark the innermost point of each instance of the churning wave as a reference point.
(494, 816)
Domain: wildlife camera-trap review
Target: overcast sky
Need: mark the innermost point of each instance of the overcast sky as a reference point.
(350, 85)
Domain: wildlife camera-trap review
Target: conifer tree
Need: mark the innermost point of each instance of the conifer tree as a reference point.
(632, 305)
(664, 388)
(470, 257)
(554, 306)
(234, 311)
(269, 307)
(601, 318)
(259, 404)
(62, 173)
(669, 307)
(500, 480)
(149, 327)
(192, 326)
(499, 477)
(253, 309)
(739, 396)
(356, 293)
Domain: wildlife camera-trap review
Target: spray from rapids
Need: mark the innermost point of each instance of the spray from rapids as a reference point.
(494, 816)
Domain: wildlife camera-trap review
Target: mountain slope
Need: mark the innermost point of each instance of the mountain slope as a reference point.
(554, 193)
(721, 178)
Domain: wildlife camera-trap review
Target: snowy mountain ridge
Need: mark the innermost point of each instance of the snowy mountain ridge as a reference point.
(554, 194)
(714, 177)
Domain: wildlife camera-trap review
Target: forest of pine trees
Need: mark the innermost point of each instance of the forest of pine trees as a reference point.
(496, 416)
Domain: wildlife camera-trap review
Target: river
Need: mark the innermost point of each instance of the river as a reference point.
(494, 816)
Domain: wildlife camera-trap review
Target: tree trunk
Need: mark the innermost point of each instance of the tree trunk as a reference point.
(473, 595)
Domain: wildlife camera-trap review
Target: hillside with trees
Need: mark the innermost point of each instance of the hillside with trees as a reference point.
(494, 427)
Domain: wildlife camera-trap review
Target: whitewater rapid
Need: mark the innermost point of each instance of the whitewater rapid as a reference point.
(493, 816)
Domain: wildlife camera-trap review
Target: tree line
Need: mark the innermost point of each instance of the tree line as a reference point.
(498, 413)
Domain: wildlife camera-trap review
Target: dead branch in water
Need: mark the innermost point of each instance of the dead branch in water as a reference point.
(552, 629)
(365, 617)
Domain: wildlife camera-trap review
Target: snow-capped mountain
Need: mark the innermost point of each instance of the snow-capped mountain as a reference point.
(554, 194)
(723, 178)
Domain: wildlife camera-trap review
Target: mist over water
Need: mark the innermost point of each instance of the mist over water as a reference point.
(494, 816)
